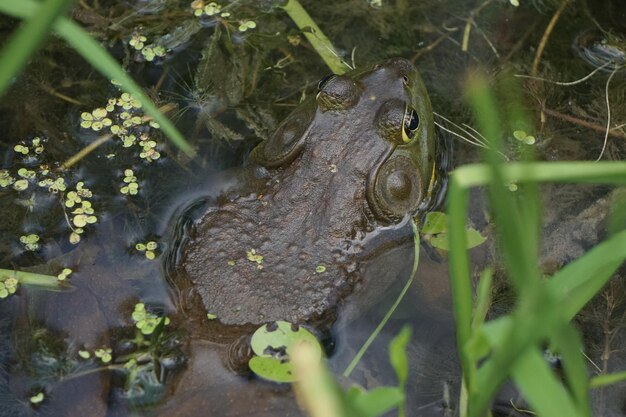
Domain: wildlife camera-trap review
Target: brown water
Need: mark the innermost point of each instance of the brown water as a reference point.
(225, 104)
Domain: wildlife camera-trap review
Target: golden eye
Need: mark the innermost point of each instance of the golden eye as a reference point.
(410, 124)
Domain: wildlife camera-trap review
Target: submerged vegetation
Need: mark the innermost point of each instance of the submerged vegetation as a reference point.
(88, 181)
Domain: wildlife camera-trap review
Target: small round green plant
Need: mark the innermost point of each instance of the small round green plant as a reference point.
(145, 321)
(64, 274)
(148, 248)
(30, 242)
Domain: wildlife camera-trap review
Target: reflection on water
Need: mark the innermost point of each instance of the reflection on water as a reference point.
(230, 87)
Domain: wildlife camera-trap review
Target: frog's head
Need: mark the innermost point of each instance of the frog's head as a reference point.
(367, 136)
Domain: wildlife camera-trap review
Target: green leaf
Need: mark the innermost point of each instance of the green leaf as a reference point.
(398, 357)
(440, 241)
(435, 222)
(473, 238)
(27, 39)
(272, 369)
(377, 401)
(539, 385)
(282, 334)
(275, 342)
(608, 379)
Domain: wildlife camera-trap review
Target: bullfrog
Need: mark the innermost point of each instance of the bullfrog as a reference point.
(285, 236)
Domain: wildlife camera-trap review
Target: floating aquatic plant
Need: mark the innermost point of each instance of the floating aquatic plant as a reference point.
(148, 248)
(244, 25)
(64, 274)
(131, 186)
(146, 321)
(8, 286)
(273, 344)
(30, 242)
(124, 118)
(104, 354)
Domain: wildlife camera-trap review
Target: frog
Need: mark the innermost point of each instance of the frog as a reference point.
(285, 236)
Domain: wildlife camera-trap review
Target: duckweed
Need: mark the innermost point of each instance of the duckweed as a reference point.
(30, 242)
(53, 185)
(8, 286)
(96, 120)
(152, 52)
(37, 398)
(523, 137)
(21, 149)
(124, 118)
(246, 24)
(5, 178)
(145, 321)
(130, 187)
(149, 249)
(64, 274)
(127, 102)
(137, 41)
(20, 185)
(149, 152)
(255, 257)
(104, 354)
(200, 8)
(36, 145)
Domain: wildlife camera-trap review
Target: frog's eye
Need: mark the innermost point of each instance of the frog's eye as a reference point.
(410, 123)
(324, 80)
(337, 92)
(391, 120)
(397, 188)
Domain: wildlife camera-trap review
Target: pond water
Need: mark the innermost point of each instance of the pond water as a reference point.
(72, 348)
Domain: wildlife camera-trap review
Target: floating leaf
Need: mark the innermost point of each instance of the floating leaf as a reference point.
(377, 401)
(473, 239)
(273, 344)
(436, 222)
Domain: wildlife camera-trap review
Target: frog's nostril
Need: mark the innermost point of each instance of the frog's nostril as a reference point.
(402, 67)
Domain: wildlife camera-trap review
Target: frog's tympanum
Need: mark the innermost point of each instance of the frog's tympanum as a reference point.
(288, 241)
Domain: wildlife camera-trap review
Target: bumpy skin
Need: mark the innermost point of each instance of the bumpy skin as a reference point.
(336, 174)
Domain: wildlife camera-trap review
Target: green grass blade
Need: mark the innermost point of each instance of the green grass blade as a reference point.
(519, 249)
(31, 279)
(581, 279)
(568, 343)
(608, 379)
(416, 258)
(483, 298)
(613, 172)
(27, 39)
(322, 45)
(101, 60)
(539, 385)
(460, 276)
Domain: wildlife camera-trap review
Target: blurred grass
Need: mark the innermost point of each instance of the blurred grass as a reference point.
(39, 18)
(512, 346)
